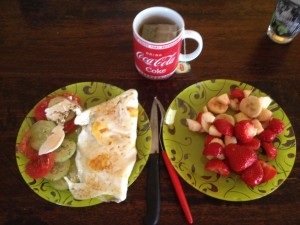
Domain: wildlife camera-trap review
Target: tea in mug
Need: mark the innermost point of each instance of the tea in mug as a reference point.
(159, 30)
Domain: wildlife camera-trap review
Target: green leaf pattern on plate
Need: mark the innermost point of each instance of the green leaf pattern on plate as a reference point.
(91, 94)
(184, 147)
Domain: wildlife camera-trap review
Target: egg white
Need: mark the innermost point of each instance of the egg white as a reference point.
(106, 149)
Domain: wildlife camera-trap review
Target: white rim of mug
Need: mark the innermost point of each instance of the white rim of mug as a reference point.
(150, 11)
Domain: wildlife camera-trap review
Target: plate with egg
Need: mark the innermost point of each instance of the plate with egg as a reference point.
(97, 110)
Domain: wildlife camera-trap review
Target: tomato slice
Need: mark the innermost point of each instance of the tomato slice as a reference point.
(25, 148)
(39, 111)
(39, 166)
(70, 126)
(72, 97)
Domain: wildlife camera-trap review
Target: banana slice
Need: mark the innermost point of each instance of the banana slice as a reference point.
(227, 117)
(251, 106)
(265, 115)
(240, 116)
(215, 106)
(193, 125)
(234, 104)
(224, 99)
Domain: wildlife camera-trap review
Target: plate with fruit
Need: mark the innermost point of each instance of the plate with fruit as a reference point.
(44, 173)
(229, 140)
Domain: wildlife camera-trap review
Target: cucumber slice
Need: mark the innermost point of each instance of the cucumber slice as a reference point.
(73, 172)
(39, 132)
(57, 100)
(58, 171)
(65, 150)
(60, 184)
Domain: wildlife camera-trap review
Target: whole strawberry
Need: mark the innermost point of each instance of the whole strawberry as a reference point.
(267, 135)
(244, 131)
(239, 157)
(254, 144)
(276, 125)
(237, 93)
(270, 149)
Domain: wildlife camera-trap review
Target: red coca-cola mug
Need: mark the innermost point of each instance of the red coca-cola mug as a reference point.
(158, 61)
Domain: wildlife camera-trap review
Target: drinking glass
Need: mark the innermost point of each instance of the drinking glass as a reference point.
(285, 23)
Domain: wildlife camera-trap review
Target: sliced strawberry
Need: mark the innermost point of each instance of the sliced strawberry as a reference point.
(244, 131)
(267, 135)
(254, 144)
(213, 150)
(253, 175)
(208, 139)
(269, 171)
(276, 125)
(230, 140)
(237, 93)
(239, 157)
(270, 149)
(224, 127)
(217, 166)
(199, 117)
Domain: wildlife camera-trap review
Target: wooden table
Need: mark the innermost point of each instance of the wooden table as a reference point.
(45, 45)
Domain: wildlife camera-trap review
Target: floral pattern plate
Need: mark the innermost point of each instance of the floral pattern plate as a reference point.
(184, 147)
(91, 93)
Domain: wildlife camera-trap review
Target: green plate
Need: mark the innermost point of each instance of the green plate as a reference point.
(184, 147)
(91, 93)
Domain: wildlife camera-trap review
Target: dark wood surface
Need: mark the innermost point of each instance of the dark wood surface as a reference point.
(45, 45)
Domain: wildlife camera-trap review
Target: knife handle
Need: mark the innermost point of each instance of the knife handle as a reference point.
(178, 188)
(153, 192)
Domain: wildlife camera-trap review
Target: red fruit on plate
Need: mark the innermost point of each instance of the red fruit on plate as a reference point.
(208, 139)
(218, 166)
(267, 135)
(40, 166)
(254, 144)
(237, 93)
(270, 149)
(25, 147)
(199, 117)
(269, 171)
(224, 127)
(253, 175)
(276, 125)
(214, 150)
(239, 157)
(244, 131)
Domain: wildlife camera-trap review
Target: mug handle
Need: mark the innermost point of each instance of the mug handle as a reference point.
(195, 36)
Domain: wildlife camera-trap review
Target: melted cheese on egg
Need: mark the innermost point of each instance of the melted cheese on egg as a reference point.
(106, 149)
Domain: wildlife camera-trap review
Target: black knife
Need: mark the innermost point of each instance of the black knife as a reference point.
(153, 190)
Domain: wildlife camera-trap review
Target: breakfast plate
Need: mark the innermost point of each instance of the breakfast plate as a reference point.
(184, 147)
(91, 94)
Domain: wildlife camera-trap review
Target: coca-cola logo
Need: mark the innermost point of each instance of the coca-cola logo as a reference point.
(156, 62)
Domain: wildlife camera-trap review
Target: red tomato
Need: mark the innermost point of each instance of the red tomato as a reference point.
(25, 148)
(39, 166)
(39, 111)
(69, 126)
(72, 97)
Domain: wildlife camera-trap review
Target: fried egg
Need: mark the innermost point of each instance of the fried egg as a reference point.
(106, 149)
